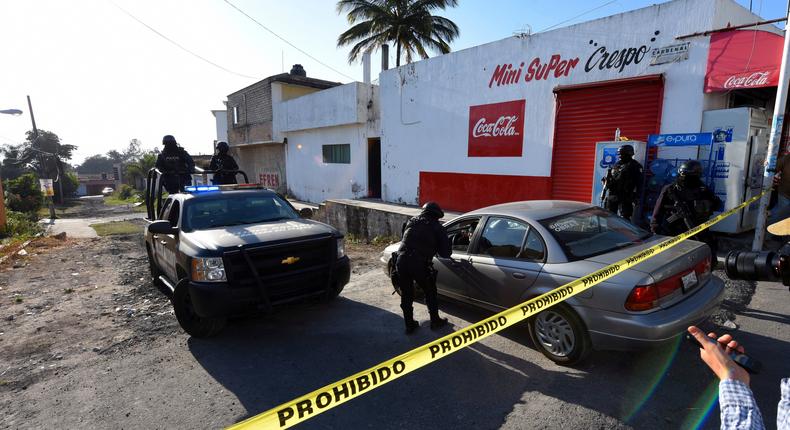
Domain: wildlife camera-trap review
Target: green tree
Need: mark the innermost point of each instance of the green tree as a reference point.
(23, 193)
(410, 24)
(95, 164)
(136, 172)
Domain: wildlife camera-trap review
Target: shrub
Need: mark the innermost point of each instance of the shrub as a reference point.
(24, 194)
(70, 185)
(20, 224)
(125, 192)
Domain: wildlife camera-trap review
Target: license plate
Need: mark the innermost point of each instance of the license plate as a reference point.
(689, 281)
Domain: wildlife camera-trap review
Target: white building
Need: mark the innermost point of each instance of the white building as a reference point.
(332, 140)
(517, 119)
(221, 123)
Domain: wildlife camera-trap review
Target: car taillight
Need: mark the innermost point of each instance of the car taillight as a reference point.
(645, 297)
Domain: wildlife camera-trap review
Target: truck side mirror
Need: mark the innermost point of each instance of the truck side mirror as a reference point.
(306, 213)
(162, 226)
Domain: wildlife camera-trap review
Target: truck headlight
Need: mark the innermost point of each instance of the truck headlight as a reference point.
(341, 248)
(208, 269)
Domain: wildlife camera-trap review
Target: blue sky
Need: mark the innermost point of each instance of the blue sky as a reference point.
(99, 78)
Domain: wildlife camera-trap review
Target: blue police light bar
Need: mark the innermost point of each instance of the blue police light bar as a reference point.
(201, 188)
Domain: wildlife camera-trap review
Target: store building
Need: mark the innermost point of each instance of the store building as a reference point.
(518, 119)
(333, 146)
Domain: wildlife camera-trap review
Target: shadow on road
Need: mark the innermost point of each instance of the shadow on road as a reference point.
(267, 361)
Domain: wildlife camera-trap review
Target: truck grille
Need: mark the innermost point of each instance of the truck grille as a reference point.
(286, 270)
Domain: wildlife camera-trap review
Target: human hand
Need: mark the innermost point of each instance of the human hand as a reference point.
(715, 353)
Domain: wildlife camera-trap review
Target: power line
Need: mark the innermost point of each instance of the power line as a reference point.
(579, 15)
(179, 45)
(286, 41)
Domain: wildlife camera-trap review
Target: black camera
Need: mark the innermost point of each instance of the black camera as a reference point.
(760, 266)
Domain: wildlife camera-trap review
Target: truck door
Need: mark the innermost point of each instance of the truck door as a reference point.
(169, 243)
(156, 239)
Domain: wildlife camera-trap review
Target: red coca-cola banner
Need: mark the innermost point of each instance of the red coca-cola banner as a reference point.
(497, 129)
(743, 59)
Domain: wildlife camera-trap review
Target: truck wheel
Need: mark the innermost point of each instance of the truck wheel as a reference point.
(560, 335)
(155, 272)
(332, 293)
(191, 322)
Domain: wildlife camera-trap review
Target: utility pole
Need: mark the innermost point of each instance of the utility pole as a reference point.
(50, 200)
(774, 142)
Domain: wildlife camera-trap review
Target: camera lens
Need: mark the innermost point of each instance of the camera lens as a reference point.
(752, 266)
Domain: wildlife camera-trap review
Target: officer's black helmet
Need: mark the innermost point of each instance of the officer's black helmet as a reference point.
(433, 209)
(690, 168)
(168, 139)
(222, 147)
(626, 150)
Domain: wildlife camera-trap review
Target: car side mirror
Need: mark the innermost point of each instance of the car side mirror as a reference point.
(162, 226)
(306, 213)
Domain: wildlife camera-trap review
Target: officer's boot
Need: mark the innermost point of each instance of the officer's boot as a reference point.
(437, 322)
(408, 318)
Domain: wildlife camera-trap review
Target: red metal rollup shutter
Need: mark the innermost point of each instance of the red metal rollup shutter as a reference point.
(591, 113)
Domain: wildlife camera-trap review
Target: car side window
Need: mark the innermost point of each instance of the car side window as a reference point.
(461, 233)
(534, 249)
(502, 237)
(174, 213)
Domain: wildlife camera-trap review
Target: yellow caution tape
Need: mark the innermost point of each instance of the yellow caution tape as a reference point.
(309, 405)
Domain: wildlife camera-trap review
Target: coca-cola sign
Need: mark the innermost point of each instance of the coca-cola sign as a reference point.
(747, 80)
(497, 129)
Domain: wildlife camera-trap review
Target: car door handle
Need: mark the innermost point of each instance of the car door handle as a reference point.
(519, 275)
(156, 236)
(163, 242)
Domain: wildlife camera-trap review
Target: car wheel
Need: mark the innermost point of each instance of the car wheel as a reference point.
(155, 272)
(332, 293)
(560, 335)
(190, 321)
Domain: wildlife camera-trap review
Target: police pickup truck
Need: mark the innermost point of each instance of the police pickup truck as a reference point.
(236, 249)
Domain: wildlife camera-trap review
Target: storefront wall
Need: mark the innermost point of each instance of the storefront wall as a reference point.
(432, 110)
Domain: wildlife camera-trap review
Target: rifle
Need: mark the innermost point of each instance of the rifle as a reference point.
(681, 212)
(605, 191)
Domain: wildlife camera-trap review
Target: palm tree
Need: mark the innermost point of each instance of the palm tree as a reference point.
(137, 171)
(409, 23)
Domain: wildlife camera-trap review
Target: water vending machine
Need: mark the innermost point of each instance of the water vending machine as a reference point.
(736, 161)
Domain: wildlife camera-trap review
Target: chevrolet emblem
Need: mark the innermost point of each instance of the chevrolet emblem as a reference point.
(290, 260)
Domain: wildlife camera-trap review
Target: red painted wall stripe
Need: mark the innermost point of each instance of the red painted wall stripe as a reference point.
(464, 192)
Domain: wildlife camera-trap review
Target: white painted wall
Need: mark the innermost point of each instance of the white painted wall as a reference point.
(221, 120)
(347, 114)
(425, 105)
(312, 180)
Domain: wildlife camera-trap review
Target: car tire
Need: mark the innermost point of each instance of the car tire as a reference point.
(155, 272)
(560, 335)
(192, 323)
(332, 293)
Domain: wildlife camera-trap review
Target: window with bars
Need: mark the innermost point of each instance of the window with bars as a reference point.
(337, 154)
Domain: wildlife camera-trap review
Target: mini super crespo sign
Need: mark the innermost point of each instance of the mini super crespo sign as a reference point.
(680, 139)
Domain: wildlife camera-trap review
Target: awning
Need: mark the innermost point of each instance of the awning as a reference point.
(743, 59)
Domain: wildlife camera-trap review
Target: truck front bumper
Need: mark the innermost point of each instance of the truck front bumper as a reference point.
(221, 299)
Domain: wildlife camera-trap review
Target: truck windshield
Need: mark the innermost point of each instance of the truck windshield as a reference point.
(230, 210)
(592, 232)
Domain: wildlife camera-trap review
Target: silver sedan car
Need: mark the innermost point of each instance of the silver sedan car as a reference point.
(505, 254)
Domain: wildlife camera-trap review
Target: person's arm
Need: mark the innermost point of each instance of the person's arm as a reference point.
(214, 164)
(783, 411)
(160, 162)
(231, 163)
(736, 401)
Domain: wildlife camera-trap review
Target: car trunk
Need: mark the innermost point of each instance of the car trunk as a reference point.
(672, 263)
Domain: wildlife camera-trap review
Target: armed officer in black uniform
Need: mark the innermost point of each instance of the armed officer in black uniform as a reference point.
(685, 204)
(224, 165)
(175, 164)
(423, 237)
(621, 183)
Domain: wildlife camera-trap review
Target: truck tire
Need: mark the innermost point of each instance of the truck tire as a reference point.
(192, 323)
(332, 293)
(559, 334)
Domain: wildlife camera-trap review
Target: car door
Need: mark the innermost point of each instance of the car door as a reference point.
(507, 259)
(455, 273)
(157, 240)
(169, 242)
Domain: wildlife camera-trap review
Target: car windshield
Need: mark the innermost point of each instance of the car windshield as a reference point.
(592, 232)
(230, 210)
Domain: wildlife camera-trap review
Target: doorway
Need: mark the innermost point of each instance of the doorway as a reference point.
(374, 168)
